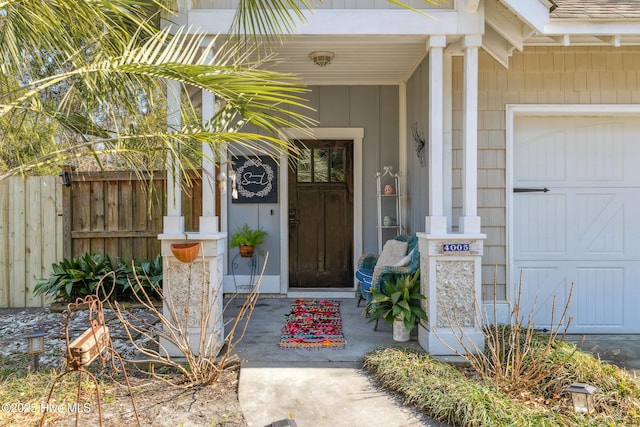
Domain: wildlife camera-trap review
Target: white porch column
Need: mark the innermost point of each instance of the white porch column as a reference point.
(436, 222)
(448, 140)
(193, 291)
(450, 263)
(470, 221)
(208, 220)
(174, 221)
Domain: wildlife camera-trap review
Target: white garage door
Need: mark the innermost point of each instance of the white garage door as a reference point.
(586, 228)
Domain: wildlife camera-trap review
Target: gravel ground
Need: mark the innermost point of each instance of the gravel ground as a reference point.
(157, 403)
(15, 324)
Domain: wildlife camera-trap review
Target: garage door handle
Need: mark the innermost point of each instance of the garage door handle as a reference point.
(530, 190)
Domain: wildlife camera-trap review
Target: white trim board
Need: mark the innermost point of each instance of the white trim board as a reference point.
(540, 110)
(322, 293)
(357, 136)
(268, 284)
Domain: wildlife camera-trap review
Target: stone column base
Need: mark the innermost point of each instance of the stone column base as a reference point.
(192, 290)
(451, 269)
(443, 342)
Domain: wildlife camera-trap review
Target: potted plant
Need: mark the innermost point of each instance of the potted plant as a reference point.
(246, 239)
(399, 302)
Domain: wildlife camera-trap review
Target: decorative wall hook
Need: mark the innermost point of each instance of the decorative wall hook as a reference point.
(419, 141)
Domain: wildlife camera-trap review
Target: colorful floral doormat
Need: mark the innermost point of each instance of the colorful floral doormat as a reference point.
(313, 323)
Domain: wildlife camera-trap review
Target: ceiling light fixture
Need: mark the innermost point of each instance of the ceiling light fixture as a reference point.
(321, 58)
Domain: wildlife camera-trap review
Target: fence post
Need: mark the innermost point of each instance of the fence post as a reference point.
(67, 211)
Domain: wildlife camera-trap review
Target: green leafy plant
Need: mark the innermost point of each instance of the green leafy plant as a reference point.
(149, 273)
(76, 278)
(399, 298)
(247, 236)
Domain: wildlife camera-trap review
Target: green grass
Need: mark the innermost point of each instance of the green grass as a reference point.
(444, 392)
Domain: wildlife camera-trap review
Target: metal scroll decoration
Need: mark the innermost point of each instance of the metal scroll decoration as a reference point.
(420, 143)
(256, 179)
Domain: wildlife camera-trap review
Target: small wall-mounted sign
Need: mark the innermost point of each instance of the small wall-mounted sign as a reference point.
(455, 247)
(257, 179)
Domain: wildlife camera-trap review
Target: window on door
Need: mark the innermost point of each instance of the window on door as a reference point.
(321, 165)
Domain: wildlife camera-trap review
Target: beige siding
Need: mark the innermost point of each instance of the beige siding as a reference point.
(329, 4)
(539, 75)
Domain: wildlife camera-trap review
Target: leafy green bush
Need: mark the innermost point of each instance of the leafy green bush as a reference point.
(76, 278)
(399, 298)
(148, 272)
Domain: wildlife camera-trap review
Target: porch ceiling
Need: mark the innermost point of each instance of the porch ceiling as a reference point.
(358, 60)
(392, 59)
(389, 59)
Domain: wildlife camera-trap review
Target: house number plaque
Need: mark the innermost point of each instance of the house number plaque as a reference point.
(455, 247)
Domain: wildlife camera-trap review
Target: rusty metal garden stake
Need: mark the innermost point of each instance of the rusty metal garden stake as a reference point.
(94, 342)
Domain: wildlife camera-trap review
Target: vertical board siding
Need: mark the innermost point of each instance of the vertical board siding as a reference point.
(30, 236)
(417, 185)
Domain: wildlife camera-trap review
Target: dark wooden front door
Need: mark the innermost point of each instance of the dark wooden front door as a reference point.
(321, 216)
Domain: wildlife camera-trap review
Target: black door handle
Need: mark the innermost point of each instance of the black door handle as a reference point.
(530, 190)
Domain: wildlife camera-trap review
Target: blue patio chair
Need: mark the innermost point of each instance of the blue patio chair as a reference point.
(370, 275)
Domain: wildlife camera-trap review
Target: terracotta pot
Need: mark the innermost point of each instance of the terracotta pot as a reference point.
(186, 252)
(246, 251)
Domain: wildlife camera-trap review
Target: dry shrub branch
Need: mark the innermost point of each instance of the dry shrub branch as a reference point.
(205, 363)
(518, 357)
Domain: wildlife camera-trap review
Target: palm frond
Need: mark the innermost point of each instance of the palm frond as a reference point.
(145, 152)
(270, 20)
(264, 98)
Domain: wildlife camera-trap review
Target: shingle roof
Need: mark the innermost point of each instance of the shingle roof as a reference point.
(597, 9)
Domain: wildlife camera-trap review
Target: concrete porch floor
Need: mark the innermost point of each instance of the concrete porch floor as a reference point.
(260, 344)
(327, 387)
(316, 388)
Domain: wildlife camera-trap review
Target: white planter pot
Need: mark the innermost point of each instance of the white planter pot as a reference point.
(400, 333)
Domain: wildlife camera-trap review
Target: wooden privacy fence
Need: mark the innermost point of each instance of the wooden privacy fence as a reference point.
(30, 236)
(116, 214)
(111, 213)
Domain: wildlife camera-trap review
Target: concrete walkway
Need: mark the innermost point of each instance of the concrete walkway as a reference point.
(315, 388)
(327, 387)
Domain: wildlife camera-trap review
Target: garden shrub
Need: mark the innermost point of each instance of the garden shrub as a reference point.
(461, 397)
(76, 278)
